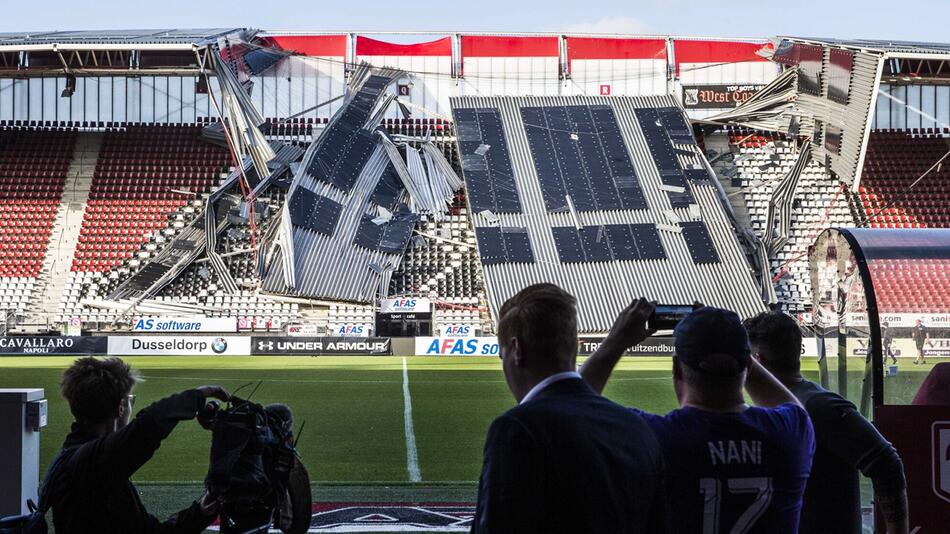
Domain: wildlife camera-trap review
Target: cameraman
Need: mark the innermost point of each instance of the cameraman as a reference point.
(89, 489)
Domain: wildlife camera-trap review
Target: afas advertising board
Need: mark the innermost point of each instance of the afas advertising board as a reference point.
(412, 305)
(456, 330)
(457, 346)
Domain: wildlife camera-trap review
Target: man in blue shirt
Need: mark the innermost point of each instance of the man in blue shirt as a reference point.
(730, 468)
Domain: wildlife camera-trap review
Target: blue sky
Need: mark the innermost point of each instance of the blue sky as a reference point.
(919, 20)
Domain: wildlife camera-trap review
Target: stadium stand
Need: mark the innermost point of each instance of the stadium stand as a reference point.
(895, 160)
(753, 163)
(33, 165)
(446, 267)
(148, 181)
(917, 286)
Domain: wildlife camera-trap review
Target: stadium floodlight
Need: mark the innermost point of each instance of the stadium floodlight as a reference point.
(70, 87)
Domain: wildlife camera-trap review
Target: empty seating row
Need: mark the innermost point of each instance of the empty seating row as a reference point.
(892, 192)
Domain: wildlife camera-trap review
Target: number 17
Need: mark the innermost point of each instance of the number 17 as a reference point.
(711, 488)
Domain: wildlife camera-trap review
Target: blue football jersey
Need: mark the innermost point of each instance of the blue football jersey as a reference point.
(735, 473)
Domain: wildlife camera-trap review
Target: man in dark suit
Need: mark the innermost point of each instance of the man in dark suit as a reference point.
(565, 459)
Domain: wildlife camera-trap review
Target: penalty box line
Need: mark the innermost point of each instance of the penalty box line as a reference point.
(412, 454)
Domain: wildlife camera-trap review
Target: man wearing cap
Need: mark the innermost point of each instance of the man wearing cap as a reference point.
(729, 467)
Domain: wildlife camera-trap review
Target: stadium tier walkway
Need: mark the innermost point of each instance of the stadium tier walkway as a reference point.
(65, 233)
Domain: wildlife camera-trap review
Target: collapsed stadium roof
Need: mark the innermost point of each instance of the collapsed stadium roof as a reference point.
(610, 198)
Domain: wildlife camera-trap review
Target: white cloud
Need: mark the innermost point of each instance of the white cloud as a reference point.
(628, 25)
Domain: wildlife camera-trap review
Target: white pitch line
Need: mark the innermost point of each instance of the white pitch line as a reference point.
(412, 454)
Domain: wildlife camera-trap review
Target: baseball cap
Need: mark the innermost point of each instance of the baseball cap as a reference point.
(712, 340)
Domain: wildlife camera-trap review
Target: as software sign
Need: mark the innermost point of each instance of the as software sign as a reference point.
(456, 346)
(184, 324)
(320, 346)
(179, 346)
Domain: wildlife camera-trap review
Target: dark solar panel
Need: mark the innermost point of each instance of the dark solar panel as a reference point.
(387, 189)
(504, 245)
(553, 189)
(568, 244)
(314, 212)
(368, 234)
(647, 240)
(657, 140)
(396, 233)
(391, 237)
(345, 146)
(664, 155)
(491, 248)
(517, 245)
(594, 240)
(699, 242)
(612, 242)
(354, 158)
(579, 151)
(486, 165)
(676, 126)
(697, 175)
(261, 59)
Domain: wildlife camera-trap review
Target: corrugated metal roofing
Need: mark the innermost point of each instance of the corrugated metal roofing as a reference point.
(166, 36)
(881, 46)
(604, 288)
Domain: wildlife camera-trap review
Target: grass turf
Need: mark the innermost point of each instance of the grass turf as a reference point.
(353, 408)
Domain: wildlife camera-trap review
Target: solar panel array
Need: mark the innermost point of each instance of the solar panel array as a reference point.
(655, 123)
(611, 200)
(578, 152)
(391, 236)
(508, 244)
(699, 242)
(345, 146)
(610, 242)
(484, 152)
(314, 212)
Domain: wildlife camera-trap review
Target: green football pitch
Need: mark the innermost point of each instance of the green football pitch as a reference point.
(355, 408)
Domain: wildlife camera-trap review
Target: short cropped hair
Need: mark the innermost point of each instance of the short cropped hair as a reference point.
(543, 317)
(94, 387)
(705, 381)
(778, 339)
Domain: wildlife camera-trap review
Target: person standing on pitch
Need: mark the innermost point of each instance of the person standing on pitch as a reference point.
(846, 442)
(887, 341)
(729, 467)
(920, 335)
(88, 485)
(565, 459)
